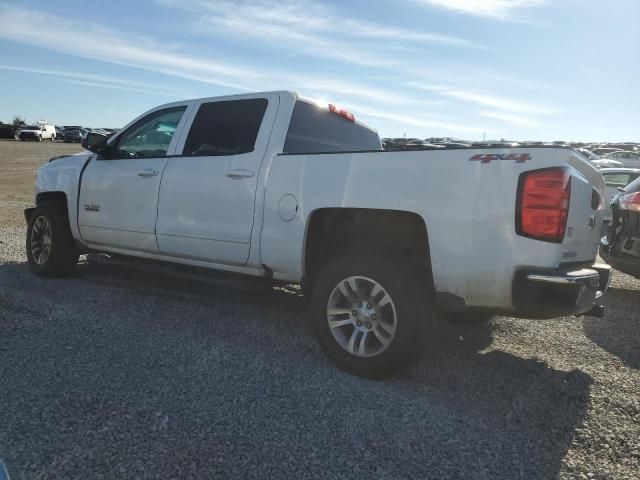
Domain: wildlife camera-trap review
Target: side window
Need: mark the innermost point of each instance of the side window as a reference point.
(150, 136)
(225, 128)
(616, 179)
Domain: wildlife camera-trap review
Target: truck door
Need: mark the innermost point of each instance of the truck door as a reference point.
(119, 190)
(208, 192)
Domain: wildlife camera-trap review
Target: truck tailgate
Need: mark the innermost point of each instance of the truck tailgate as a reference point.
(584, 224)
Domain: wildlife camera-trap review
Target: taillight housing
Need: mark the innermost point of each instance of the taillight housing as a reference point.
(542, 205)
(631, 202)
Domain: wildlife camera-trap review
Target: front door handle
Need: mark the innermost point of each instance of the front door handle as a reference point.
(148, 173)
(239, 173)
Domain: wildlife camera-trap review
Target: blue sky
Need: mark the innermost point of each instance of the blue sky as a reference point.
(516, 69)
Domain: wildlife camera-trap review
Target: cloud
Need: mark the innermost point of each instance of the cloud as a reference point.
(485, 100)
(501, 9)
(413, 119)
(94, 41)
(95, 80)
(383, 93)
(97, 42)
(510, 119)
(309, 28)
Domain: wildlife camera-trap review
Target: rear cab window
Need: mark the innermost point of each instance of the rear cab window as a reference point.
(314, 129)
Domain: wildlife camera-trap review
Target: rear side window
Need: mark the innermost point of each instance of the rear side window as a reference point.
(225, 128)
(314, 129)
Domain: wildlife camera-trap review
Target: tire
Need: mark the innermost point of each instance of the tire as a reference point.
(49, 227)
(467, 318)
(383, 354)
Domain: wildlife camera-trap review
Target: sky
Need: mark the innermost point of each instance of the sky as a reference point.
(471, 69)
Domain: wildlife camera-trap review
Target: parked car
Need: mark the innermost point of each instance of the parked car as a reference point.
(628, 158)
(72, 135)
(607, 163)
(39, 132)
(276, 186)
(422, 145)
(602, 151)
(588, 154)
(8, 130)
(621, 247)
(615, 178)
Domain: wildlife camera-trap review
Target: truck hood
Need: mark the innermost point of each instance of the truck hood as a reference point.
(76, 160)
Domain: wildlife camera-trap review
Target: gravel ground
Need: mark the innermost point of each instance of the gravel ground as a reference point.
(118, 373)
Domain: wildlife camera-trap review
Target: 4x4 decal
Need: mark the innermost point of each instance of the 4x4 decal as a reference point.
(489, 157)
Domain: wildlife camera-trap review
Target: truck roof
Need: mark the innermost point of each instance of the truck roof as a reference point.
(290, 93)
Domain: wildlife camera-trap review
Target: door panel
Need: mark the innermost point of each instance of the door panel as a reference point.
(118, 203)
(207, 196)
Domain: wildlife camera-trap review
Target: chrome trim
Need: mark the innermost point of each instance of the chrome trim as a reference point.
(569, 278)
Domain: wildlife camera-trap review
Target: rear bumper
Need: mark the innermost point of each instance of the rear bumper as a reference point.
(560, 292)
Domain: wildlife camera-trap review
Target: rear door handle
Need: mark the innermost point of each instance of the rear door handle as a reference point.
(239, 173)
(148, 173)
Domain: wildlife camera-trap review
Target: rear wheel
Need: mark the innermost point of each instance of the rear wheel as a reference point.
(51, 251)
(369, 314)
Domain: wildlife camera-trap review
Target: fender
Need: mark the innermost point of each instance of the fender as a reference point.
(64, 175)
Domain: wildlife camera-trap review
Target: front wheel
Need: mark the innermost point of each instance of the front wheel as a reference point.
(51, 251)
(369, 314)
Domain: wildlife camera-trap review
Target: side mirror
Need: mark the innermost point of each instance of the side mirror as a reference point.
(94, 142)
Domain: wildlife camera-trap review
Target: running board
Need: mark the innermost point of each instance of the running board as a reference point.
(213, 277)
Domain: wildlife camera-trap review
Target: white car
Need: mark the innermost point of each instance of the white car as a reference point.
(628, 158)
(588, 154)
(607, 163)
(276, 186)
(39, 132)
(596, 161)
(615, 178)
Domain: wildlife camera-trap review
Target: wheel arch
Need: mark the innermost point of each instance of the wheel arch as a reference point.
(331, 231)
(55, 196)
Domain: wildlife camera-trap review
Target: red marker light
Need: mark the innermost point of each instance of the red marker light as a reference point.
(342, 112)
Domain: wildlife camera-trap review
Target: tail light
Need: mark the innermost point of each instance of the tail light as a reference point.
(342, 112)
(542, 206)
(631, 202)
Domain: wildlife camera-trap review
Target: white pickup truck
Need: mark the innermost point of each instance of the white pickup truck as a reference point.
(276, 186)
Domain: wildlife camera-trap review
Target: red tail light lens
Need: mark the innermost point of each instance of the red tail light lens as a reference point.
(342, 112)
(543, 204)
(631, 202)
